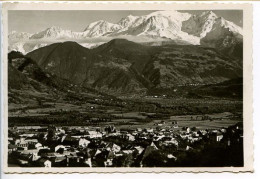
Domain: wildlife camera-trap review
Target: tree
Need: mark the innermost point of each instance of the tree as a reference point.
(51, 134)
(193, 129)
(123, 161)
(41, 137)
(155, 159)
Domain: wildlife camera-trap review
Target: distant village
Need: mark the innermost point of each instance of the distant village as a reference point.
(85, 146)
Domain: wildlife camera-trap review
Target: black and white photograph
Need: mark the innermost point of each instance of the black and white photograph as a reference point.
(147, 88)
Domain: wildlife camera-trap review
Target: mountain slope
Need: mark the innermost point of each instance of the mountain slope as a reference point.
(134, 53)
(28, 83)
(228, 89)
(27, 69)
(67, 60)
(73, 62)
(122, 66)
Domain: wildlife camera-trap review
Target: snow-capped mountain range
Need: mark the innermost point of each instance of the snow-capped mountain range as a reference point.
(168, 25)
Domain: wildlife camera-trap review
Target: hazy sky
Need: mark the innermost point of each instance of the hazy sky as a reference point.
(34, 21)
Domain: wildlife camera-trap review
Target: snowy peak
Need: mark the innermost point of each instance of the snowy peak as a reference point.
(128, 21)
(159, 24)
(53, 33)
(171, 20)
(209, 15)
(161, 21)
(224, 35)
(229, 25)
(97, 23)
(19, 35)
(99, 28)
(54, 28)
(25, 47)
(201, 25)
(173, 15)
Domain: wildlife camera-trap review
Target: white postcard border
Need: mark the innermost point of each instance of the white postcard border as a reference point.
(247, 78)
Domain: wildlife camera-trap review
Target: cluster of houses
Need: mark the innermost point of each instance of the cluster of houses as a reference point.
(50, 146)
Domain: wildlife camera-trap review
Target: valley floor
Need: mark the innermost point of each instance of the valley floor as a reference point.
(149, 132)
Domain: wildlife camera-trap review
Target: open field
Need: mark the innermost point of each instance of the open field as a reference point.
(183, 121)
(132, 113)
